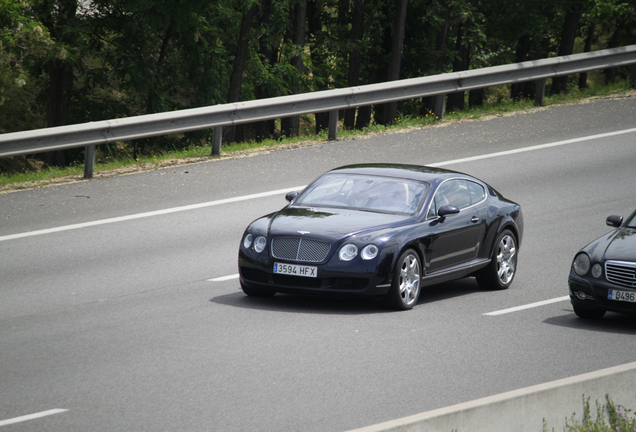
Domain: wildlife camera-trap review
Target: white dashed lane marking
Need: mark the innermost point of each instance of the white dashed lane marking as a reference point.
(31, 416)
(528, 306)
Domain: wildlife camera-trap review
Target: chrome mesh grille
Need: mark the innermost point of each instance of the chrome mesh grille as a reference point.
(300, 249)
(621, 273)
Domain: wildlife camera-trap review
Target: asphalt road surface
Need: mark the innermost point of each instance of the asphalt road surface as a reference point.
(120, 306)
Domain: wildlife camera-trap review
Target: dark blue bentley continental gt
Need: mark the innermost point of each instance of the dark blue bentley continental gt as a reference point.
(383, 231)
(603, 274)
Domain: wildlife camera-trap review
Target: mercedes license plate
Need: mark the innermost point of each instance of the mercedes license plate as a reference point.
(622, 296)
(295, 270)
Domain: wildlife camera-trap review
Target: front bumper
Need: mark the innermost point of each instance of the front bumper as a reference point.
(332, 279)
(592, 294)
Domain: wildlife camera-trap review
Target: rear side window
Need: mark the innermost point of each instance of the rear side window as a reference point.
(477, 192)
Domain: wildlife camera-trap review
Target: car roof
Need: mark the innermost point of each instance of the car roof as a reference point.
(412, 172)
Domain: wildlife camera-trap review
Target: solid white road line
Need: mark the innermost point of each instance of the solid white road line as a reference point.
(528, 306)
(266, 194)
(31, 416)
(534, 148)
(149, 214)
(224, 278)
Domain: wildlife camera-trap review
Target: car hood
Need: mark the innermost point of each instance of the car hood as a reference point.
(622, 245)
(329, 223)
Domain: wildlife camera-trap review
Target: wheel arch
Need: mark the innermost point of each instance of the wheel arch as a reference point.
(412, 245)
(505, 226)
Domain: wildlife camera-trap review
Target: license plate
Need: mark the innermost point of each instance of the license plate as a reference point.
(622, 296)
(295, 270)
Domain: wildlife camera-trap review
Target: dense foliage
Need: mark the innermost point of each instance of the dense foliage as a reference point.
(69, 61)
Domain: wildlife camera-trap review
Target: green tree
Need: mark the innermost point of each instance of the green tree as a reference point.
(23, 42)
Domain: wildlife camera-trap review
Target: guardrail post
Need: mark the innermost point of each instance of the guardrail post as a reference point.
(333, 125)
(217, 136)
(440, 106)
(540, 93)
(632, 76)
(89, 161)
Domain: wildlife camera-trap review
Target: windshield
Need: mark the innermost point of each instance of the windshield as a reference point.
(631, 222)
(367, 193)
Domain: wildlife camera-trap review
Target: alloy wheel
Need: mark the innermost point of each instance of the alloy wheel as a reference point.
(409, 282)
(506, 259)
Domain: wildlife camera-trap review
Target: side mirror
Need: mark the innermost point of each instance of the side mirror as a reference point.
(614, 221)
(290, 196)
(447, 210)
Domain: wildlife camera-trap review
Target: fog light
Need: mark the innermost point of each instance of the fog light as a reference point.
(581, 295)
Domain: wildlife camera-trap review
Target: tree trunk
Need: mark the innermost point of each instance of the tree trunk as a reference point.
(614, 42)
(395, 62)
(61, 73)
(314, 23)
(153, 98)
(589, 38)
(559, 84)
(235, 133)
(476, 98)
(428, 102)
(518, 90)
(61, 79)
(353, 78)
(455, 101)
(290, 126)
(265, 128)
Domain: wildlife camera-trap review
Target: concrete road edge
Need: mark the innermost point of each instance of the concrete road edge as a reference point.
(525, 409)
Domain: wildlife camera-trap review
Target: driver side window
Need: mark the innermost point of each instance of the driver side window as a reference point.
(452, 192)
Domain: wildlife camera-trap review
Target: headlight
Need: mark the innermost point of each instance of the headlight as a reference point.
(369, 252)
(597, 270)
(348, 252)
(259, 244)
(247, 241)
(581, 264)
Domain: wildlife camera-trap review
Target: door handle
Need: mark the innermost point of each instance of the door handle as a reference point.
(475, 219)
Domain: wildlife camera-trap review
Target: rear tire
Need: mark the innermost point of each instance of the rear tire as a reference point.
(405, 288)
(255, 292)
(500, 273)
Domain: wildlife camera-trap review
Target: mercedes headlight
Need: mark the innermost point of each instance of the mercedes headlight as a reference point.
(581, 264)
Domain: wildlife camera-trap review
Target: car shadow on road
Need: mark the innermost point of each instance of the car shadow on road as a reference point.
(610, 323)
(293, 303)
(296, 303)
(449, 290)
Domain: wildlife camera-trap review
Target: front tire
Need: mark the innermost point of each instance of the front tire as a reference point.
(499, 274)
(405, 288)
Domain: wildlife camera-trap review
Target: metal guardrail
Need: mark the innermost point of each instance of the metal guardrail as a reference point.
(217, 116)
